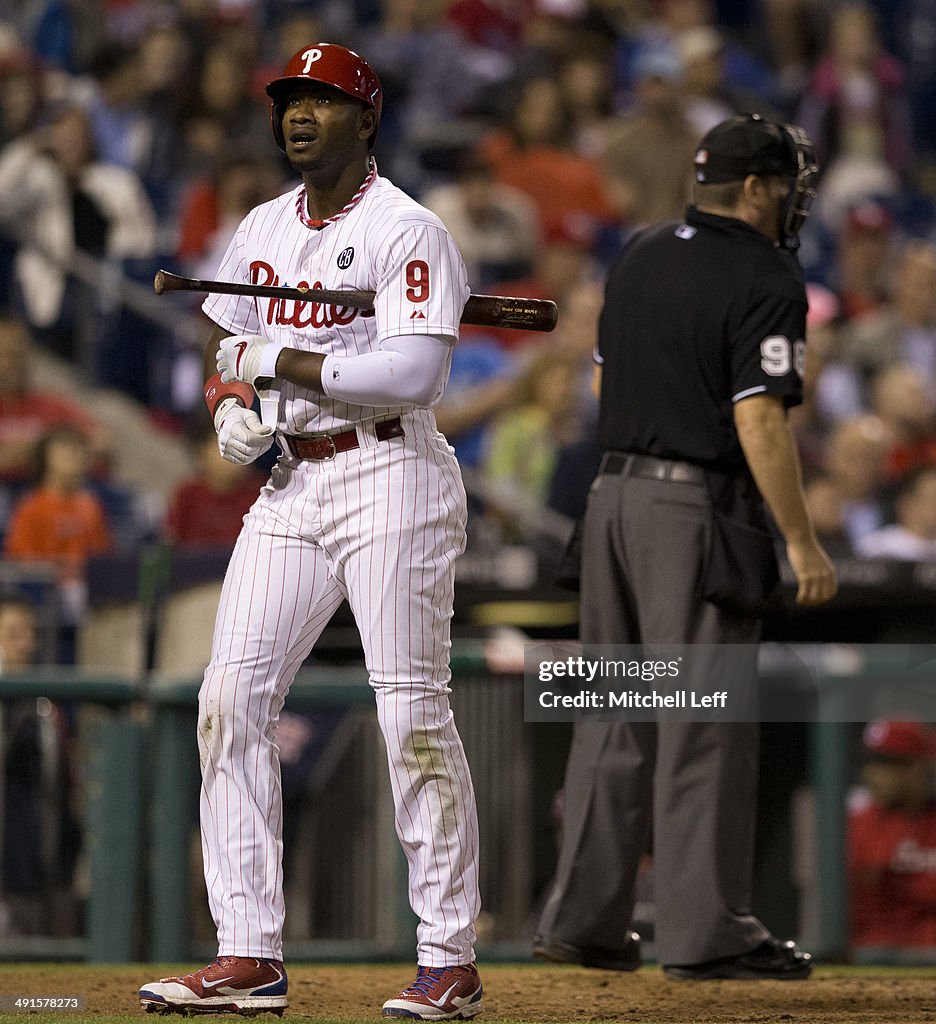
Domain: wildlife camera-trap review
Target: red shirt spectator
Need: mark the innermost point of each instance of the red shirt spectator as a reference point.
(208, 510)
(491, 25)
(527, 154)
(892, 840)
(60, 520)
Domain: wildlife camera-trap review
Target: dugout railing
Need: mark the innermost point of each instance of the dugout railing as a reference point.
(144, 896)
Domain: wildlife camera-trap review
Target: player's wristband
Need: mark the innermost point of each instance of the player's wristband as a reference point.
(216, 391)
(268, 356)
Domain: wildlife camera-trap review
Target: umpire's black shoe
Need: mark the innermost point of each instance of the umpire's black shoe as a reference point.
(625, 959)
(772, 960)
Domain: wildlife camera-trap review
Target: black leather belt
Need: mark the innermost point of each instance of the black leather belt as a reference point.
(652, 468)
(321, 447)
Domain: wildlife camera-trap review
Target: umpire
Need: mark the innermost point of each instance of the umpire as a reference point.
(701, 350)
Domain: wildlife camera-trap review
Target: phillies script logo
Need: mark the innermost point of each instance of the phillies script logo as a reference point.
(295, 313)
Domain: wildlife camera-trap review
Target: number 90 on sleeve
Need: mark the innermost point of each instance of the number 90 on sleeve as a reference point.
(779, 356)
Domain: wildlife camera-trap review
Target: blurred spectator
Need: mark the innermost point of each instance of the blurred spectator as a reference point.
(577, 335)
(294, 27)
(917, 39)
(482, 385)
(18, 633)
(524, 442)
(41, 835)
(532, 153)
(826, 510)
(222, 114)
(22, 824)
(487, 23)
(851, 487)
(864, 252)
(892, 839)
(214, 206)
(577, 329)
(666, 20)
(495, 226)
(212, 209)
(706, 102)
(59, 199)
(812, 420)
(126, 132)
(165, 58)
(577, 460)
(21, 100)
(166, 63)
(21, 94)
(913, 536)
(208, 510)
(65, 34)
(553, 30)
(792, 28)
(710, 97)
(431, 76)
(906, 407)
(856, 102)
(562, 263)
(585, 81)
(648, 162)
(26, 413)
(61, 520)
(831, 390)
(904, 329)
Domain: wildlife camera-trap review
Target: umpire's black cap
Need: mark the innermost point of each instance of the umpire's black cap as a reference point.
(743, 145)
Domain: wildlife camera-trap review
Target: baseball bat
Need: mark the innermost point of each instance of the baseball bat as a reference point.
(480, 310)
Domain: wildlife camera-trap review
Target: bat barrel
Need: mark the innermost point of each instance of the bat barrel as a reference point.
(515, 313)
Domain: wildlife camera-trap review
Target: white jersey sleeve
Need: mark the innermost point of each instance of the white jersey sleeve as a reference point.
(235, 313)
(423, 285)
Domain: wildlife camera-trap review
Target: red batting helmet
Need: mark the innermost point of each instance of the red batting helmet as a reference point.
(333, 65)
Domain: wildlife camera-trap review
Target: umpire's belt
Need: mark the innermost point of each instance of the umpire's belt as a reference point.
(320, 447)
(652, 468)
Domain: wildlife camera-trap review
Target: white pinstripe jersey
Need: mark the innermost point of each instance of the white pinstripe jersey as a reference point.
(383, 241)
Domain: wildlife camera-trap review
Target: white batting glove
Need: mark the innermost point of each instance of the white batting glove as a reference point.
(242, 438)
(248, 357)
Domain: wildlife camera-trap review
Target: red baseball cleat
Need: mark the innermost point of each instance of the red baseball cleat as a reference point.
(439, 993)
(229, 984)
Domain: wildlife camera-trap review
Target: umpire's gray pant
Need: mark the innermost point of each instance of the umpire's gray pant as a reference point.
(693, 783)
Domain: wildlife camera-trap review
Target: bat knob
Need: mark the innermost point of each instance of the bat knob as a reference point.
(159, 282)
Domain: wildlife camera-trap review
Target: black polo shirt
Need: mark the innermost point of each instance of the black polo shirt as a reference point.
(697, 316)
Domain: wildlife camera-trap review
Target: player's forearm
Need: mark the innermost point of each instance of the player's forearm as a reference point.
(303, 369)
(770, 451)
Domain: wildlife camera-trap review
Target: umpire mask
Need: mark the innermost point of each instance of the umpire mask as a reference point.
(795, 208)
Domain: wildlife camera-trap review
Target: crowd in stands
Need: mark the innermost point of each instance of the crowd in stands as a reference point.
(135, 134)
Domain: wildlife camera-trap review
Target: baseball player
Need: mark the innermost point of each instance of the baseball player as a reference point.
(366, 503)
